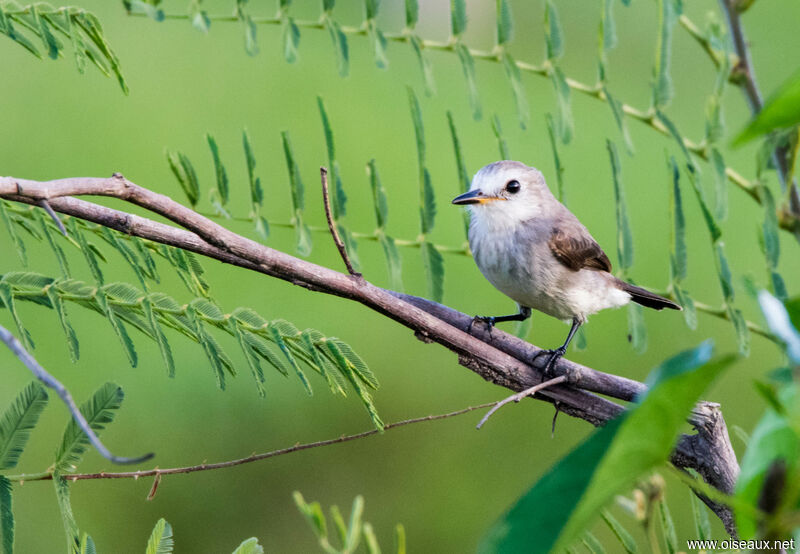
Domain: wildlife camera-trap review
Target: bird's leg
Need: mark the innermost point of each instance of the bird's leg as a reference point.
(555, 354)
(490, 320)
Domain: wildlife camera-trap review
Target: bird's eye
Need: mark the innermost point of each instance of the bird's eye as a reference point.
(513, 186)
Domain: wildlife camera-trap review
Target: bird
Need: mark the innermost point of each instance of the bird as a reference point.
(535, 251)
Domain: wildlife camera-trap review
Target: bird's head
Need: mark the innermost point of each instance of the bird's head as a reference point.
(506, 193)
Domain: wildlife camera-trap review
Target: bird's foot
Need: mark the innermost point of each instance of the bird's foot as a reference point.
(487, 320)
(553, 356)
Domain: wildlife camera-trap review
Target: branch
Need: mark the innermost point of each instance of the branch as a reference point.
(158, 472)
(51, 382)
(745, 70)
(332, 225)
(499, 358)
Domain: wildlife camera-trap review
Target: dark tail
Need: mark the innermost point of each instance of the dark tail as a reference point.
(647, 298)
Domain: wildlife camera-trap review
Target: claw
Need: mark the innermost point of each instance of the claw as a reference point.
(487, 320)
(554, 356)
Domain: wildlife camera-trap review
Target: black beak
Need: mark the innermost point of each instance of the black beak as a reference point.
(471, 197)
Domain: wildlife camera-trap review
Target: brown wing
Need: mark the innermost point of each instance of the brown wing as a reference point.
(578, 251)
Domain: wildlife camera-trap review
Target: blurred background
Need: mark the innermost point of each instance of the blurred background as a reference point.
(445, 481)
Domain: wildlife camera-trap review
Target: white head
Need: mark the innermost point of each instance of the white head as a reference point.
(506, 193)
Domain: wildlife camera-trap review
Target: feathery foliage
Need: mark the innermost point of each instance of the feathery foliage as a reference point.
(17, 422)
(50, 26)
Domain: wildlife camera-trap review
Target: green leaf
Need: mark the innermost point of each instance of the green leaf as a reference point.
(200, 19)
(458, 16)
(711, 223)
(592, 544)
(184, 172)
(419, 129)
(7, 296)
(291, 39)
(370, 540)
(679, 255)
(433, 263)
(514, 77)
(553, 35)
(256, 192)
(504, 22)
(669, 11)
(412, 13)
(313, 514)
(45, 224)
(619, 118)
(720, 184)
(296, 183)
(742, 332)
(702, 526)
(400, 538)
(98, 411)
(18, 421)
(354, 529)
(637, 332)
(210, 347)
(463, 176)
(468, 67)
(608, 27)
(622, 534)
(51, 44)
(118, 327)
(158, 333)
(6, 516)
(339, 40)
(338, 196)
(276, 336)
(624, 236)
(565, 500)
(427, 210)
(686, 302)
(783, 322)
(379, 202)
(250, 40)
(565, 124)
(219, 170)
(249, 546)
(502, 145)
(19, 246)
(781, 110)
(69, 332)
(393, 261)
(562, 197)
(424, 64)
(7, 28)
(379, 44)
(160, 541)
(675, 134)
(71, 530)
(668, 527)
(723, 272)
(94, 31)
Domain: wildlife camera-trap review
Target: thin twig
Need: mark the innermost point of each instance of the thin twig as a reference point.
(323, 173)
(51, 382)
(47, 476)
(520, 395)
(45, 205)
(753, 94)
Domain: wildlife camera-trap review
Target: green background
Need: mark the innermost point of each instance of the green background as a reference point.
(445, 481)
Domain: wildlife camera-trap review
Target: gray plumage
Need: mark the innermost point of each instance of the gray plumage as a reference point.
(534, 250)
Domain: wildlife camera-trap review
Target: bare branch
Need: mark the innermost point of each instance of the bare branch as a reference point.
(323, 172)
(51, 382)
(520, 395)
(48, 476)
